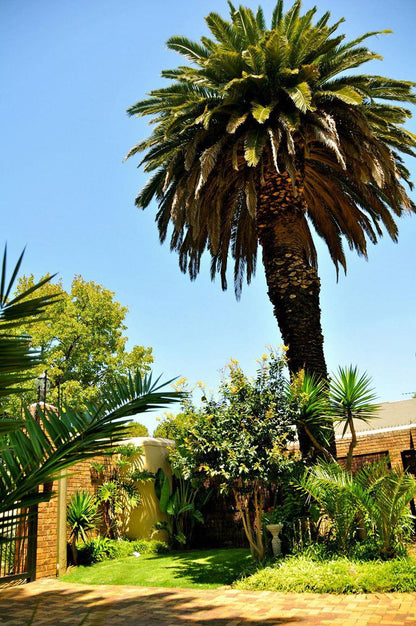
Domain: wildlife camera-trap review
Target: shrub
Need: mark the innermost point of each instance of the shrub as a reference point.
(103, 549)
(338, 575)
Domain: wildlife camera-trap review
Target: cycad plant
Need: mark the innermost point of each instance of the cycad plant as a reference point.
(82, 517)
(308, 398)
(266, 131)
(376, 495)
(331, 487)
(384, 495)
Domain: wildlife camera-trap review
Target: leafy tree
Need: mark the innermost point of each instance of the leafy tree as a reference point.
(265, 133)
(34, 450)
(174, 426)
(82, 343)
(240, 439)
(135, 429)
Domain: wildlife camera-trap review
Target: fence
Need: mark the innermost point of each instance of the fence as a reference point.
(18, 529)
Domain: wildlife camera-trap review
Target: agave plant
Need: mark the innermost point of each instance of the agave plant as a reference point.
(35, 449)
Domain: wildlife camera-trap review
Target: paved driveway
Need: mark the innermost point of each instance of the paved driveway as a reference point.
(52, 602)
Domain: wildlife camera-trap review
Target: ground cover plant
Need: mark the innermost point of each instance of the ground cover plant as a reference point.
(200, 569)
(334, 575)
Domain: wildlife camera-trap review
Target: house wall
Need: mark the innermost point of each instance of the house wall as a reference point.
(371, 445)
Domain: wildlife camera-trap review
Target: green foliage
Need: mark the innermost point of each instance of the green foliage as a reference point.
(182, 502)
(376, 496)
(173, 426)
(82, 342)
(81, 517)
(135, 429)
(103, 549)
(301, 574)
(33, 450)
(266, 102)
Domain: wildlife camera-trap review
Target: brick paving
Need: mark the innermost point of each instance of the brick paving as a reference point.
(52, 602)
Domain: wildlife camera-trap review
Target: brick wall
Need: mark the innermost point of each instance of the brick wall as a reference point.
(46, 557)
(371, 444)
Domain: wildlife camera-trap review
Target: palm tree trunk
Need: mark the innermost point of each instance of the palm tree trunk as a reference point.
(293, 282)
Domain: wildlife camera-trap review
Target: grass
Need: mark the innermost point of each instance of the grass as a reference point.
(338, 575)
(199, 569)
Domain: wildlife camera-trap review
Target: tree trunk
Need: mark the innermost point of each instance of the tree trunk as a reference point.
(293, 282)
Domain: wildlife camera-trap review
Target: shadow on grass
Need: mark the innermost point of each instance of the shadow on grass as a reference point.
(80, 606)
(219, 568)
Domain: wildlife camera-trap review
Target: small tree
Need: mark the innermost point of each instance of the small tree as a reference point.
(352, 397)
(239, 440)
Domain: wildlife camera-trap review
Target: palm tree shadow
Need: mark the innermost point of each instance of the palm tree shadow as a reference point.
(76, 607)
(215, 569)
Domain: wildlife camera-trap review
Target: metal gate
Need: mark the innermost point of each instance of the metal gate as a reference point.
(18, 539)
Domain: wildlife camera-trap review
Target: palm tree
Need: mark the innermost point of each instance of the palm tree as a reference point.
(35, 449)
(265, 134)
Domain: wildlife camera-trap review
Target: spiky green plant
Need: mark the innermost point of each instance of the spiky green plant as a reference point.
(266, 131)
(82, 517)
(331, 487)
(352, 397)
(384, 494)
(308, 398)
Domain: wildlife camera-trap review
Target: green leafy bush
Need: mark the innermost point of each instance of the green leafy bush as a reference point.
(338, 575)
(103, 549)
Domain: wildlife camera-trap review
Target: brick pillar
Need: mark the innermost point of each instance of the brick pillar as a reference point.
(47, 556)
(47, 535)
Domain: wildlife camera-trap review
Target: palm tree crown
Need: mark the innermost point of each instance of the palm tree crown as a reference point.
(274, 113)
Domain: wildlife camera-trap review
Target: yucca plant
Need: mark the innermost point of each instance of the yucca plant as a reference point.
(352, 397)
(82, 517)
(267, 130)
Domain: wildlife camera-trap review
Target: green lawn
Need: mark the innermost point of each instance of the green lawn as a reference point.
(199, 569)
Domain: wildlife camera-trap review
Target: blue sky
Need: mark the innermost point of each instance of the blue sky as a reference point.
(69, 71)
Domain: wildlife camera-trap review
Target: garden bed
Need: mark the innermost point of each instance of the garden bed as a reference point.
(337, 575)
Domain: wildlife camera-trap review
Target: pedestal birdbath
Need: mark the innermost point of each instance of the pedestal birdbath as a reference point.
(275, 530)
